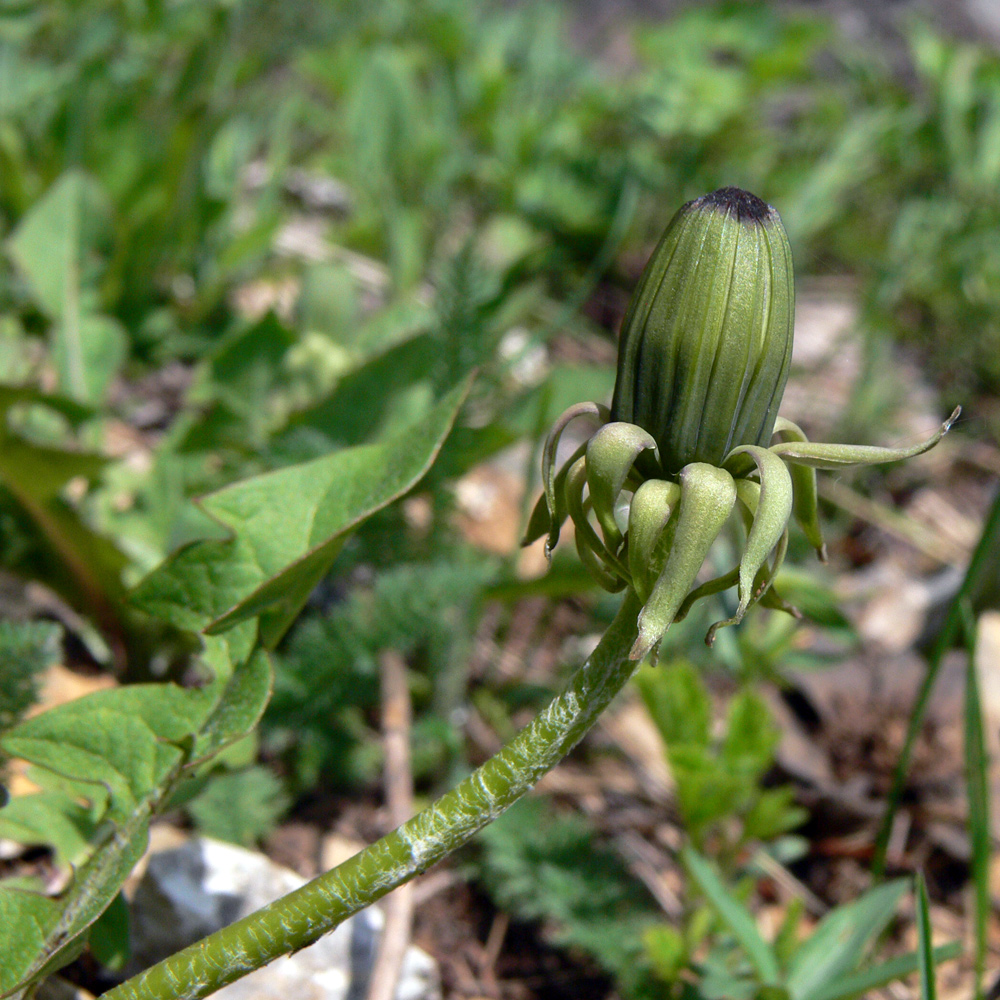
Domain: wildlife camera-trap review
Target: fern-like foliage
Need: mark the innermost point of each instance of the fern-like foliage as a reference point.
(327, 676)
(542, 866)
(26, 649)
(240, 806)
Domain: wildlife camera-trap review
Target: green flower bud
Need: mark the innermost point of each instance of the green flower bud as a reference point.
(702, 365)
(707, 340)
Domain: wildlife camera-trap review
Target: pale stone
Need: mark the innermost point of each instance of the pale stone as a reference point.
(197, 888)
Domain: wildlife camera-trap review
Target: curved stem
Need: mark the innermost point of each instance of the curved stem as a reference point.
(301, 917)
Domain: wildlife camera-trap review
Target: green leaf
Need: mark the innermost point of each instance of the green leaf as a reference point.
(787, 938)
(735, 916)
(40, 473)
(124, 751)
(676, 698)
(715, 783)
(288, 528)
(54, 245)
(707, 791)
(860, 983)
(246, 695)
(838, 944)
(235, 387)
(57, 246)
(126, 740)
(199, 582)
(360, 405)
(76, 413)
(751, 736)
(26, 649)
(240, 806)
(109, 936)
(542, 866)
(33, 916)
(88, 349)
(773, 814)
(81, 565)
(52, 819)
(666, 950)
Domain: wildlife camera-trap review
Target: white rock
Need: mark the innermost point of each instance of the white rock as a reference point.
(203, 885)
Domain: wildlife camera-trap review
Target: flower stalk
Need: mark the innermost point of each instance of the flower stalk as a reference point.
(302, 917)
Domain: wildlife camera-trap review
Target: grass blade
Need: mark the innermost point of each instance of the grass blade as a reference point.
(735, 916)
(976, 766)
(838, 945)
(861, 983)
(925, 951)
(982, 569)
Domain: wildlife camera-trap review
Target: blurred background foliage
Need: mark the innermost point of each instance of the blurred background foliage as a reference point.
(223, 223)
(236, 234)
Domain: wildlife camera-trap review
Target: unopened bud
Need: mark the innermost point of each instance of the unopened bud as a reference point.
(707, 341)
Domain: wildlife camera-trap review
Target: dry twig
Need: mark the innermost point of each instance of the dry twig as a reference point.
(396, 720)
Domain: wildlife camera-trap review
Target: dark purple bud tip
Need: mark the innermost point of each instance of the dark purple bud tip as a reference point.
(741, 205)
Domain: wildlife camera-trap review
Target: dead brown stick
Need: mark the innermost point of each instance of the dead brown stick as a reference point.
(396, 721)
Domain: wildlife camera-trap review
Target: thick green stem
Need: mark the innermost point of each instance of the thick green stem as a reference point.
(301, 917)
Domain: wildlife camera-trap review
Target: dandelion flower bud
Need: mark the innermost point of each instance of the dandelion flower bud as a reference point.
(707, 340)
